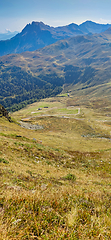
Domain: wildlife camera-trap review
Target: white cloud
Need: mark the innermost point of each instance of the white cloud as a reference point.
(104, 21)
(7, 30)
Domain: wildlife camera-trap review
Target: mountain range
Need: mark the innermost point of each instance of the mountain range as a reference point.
(38, 35)
(79, 62)
(7, 35)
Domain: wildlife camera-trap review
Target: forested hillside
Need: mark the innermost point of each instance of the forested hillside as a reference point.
(82, 61)
(20, 88)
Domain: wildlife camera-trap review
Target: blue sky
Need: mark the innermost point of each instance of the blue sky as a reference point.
(15, 14)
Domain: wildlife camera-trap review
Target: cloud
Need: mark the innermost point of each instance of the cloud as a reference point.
(104, 21)
(7, 30)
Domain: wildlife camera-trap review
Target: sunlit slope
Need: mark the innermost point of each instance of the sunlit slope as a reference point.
(75, 63)
(55, 182)
(38, 35)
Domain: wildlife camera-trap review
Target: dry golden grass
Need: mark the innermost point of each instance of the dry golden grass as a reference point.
(56, 182)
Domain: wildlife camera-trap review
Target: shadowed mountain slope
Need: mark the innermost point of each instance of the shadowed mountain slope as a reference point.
(38, 35)
(82, 61)
(92, 27)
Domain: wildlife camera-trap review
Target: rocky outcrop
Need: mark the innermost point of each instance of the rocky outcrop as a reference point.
(4, 113)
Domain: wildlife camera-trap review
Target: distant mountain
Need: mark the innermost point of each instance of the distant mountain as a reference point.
(35, 36)
(38, 35)
(7, 35)
(92, 27)
(80, 62)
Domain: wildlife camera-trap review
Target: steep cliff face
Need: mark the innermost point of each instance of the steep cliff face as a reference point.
(4, 113)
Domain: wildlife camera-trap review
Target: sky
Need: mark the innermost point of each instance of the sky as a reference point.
(16, 14)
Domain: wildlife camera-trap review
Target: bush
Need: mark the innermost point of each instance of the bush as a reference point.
(70, 176)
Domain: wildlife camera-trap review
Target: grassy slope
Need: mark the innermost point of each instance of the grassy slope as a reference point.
(55, 182)
(81, 63)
